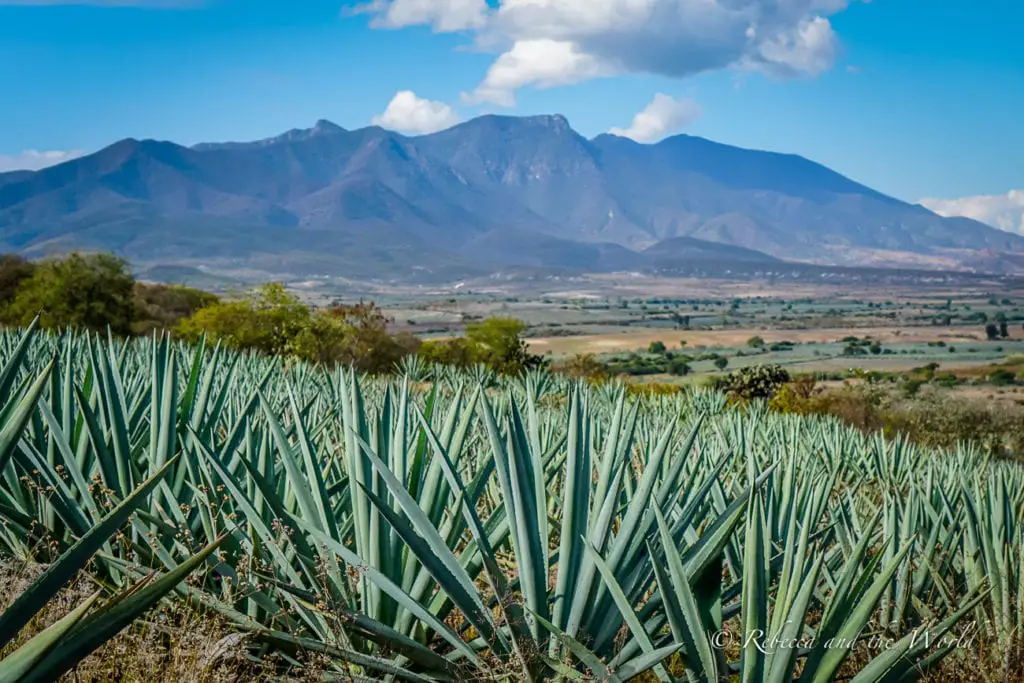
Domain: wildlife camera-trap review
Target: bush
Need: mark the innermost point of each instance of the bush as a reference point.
(92, 292)
(268, 321)
(932, 419)
(582, 366)
(162, 307)
(13, 271)
(495, 342)
(755, 343)
(656, 347)
(721, 362)
(1002, 378)
(678, 366)
(761, 381)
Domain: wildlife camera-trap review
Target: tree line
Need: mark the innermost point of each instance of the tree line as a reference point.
(98, 292)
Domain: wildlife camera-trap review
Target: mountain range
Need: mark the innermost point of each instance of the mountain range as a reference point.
(493, 193)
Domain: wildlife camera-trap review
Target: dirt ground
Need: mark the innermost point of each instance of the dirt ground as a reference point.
(633, 340)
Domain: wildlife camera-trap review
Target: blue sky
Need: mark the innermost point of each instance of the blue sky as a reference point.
(917, 98)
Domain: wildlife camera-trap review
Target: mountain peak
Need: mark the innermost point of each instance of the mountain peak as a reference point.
(324, 126)
(514, 174)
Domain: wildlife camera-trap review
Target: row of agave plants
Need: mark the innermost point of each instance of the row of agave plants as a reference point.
(469, 528)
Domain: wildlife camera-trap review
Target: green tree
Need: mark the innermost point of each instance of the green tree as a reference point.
(458, 352)
(269, 320)
(354, 335)
(498, 342)
(991, 331)
(755, 342)
(721, 362)
(162, 307)
(678, 367)
(13, 271)
(656, 347)
(91, 291)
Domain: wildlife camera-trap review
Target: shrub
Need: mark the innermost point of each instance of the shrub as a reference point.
(582, 366)
(85, 291)
(761, 381)
(678, 366)
(1002, 377)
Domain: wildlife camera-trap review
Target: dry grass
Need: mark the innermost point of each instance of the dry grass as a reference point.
(173, 644)
(633, 340)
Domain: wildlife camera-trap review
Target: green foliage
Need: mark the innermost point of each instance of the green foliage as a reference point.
(500, 345)
(582, 366)
(267, 321)
(274, 321)
(544, 529)
(91, 292)
(678, 366)
(656, 347)
(162, 307)
(758, 382)
(494, 342)
(13, 271)
(721, 362)
(755, 343)
(1002, 377)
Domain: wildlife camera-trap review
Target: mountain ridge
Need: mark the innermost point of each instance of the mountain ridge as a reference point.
(306, 194)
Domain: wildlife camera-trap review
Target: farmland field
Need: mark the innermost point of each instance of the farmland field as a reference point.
(454, 525)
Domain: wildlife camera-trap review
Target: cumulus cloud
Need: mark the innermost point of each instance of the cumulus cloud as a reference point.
(542, 63)
(33, 160)
(662, 117)
(445, 16)
(1004, 211)
(552, 42)
(408, 113)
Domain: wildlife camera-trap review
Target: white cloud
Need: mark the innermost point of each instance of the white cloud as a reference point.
(542, 63)
(445, 16)
(553, 42)
(1005, 211)
(662, 117)
(408, 113)
(808, 49)
(33, 160)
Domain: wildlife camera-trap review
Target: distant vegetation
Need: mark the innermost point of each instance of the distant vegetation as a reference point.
(91, 292)
(97, 292)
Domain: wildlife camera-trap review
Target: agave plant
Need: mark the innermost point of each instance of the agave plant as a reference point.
(528, 527)
(58, 648)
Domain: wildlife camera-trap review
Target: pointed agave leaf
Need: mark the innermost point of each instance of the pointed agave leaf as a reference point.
(105, 623)
(681, 605)
(68, 564)
(648, 660)
(393, 590)
(14, 666)
(626, 609)
(588, 658)
(19, 412)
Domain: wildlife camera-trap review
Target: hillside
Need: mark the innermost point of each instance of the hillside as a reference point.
(489, 193)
